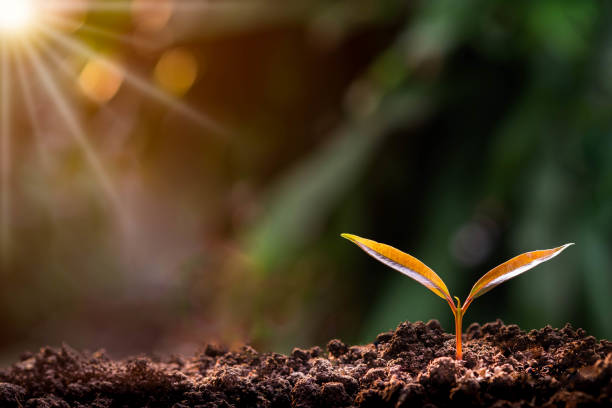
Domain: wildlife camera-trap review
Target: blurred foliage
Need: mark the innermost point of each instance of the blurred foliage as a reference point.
(463, 133)
(497, 164)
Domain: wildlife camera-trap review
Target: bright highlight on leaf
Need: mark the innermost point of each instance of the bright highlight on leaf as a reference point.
(417, 270)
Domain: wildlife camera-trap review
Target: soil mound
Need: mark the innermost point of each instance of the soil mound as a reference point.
(411, 366)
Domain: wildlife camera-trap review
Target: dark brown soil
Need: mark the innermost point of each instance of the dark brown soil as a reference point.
(412, 366)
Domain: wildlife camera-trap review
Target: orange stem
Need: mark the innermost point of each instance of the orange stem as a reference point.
(458, 322)
(458, 312)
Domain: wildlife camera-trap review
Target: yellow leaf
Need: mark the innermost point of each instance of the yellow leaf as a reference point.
(510, 269)
(404, 263)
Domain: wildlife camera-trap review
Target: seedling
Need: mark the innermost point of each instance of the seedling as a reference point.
(417, 270)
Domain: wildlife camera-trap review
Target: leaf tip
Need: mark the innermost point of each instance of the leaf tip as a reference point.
(350, 237)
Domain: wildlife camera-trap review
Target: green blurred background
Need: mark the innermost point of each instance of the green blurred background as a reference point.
(462, 132)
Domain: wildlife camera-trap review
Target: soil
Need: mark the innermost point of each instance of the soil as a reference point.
(411, 366)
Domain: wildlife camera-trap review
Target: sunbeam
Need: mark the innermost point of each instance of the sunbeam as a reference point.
(28, 97)
(69, 73)
(64, 66)
(125, 6)
(5, 145)
(99, 31)
(43, 54)
(133, 79)
(70, 119)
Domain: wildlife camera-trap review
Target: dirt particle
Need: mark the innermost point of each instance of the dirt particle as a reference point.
(334, 395)
(305, 394)
(440, 375)
(466, 392)
(337, 348)
(383, 338)
(374, 374)
(11, 393)
(299, 354)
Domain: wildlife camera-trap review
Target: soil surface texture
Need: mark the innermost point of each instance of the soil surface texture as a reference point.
(411, 366)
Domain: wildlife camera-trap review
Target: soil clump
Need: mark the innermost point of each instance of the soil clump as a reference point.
(411, 366)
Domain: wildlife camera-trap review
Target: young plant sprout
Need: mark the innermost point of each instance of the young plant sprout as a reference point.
(417, 270)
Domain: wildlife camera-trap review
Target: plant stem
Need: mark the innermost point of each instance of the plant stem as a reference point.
(459, 311)
(458, 322)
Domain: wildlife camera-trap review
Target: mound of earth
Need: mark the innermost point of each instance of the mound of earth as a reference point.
(411, 366)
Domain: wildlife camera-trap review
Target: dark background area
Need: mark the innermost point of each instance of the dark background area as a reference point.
(463, 133)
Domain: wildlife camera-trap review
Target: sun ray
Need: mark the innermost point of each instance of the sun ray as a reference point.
(28, 97)
(69, 72)
(100, 31)
(80, 6)
(65, 68)
(74, 126)
(38, 44)
(126, 6)
(5, 156)
(133, 79)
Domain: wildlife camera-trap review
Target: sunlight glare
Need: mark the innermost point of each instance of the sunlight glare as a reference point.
(16, 15)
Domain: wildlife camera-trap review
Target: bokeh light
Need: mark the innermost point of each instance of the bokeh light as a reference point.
(177, 70)
(99, 82)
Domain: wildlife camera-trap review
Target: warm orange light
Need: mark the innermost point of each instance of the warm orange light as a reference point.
(99, 82)
(176, 71)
